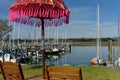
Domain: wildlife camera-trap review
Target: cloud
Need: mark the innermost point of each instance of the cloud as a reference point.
(88, 29)
(81, 28)
(109, 29)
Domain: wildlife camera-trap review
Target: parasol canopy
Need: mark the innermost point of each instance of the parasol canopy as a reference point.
(54, 11)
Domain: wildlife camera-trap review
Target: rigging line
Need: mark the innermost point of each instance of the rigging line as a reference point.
(29, 37)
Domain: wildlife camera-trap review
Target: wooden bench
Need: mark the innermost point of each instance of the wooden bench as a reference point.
(63, 73)
(11, 71)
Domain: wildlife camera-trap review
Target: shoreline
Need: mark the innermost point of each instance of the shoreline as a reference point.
(92, 43)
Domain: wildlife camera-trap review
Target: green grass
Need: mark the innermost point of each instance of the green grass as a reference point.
(30, 71)
(99, 73)
(88, 72)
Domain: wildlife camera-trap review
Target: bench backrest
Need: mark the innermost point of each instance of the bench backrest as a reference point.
(11, 71)
(63, 73)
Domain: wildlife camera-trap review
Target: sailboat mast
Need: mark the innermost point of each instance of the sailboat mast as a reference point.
(118, 36)
(98, 32)
(13, 36)
(18, 34)
(57, 35)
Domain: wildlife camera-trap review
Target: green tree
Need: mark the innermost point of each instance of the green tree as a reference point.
(5, 28)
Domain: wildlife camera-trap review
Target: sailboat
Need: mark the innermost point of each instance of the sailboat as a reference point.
(98, 60)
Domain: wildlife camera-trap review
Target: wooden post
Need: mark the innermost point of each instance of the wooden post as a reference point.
(110, 51)
(43, 51)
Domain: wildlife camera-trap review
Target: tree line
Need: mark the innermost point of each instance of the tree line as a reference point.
(90, 39)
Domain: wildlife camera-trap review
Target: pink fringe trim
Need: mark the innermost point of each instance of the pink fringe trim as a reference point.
(52, 17)
(37, 22)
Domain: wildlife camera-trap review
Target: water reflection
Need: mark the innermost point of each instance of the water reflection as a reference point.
(81, 55)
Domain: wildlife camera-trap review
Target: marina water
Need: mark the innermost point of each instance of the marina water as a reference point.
(81, 55)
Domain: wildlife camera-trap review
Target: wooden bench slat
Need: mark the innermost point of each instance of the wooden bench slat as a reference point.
(64, 76)
(11, 69)
(63, 69)
(9, 64)
(12, 72)
(16, 77)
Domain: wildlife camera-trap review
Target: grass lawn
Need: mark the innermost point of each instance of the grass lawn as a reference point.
(88, 72)
(99, 73)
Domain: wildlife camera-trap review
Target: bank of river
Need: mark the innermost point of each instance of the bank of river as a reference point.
(91, 43)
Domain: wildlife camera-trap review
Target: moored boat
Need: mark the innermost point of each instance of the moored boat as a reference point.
(98, 60)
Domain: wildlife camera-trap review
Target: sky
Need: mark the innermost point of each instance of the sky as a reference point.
(83, 20)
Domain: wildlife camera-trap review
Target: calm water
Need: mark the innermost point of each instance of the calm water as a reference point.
(81, 55)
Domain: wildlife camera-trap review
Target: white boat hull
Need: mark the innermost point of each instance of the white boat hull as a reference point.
(95, 61)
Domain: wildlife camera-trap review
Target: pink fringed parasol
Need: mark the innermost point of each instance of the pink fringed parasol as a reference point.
(23, 11)
(39, 13)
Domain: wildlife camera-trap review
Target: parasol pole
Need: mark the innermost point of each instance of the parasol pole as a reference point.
(43, 51)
